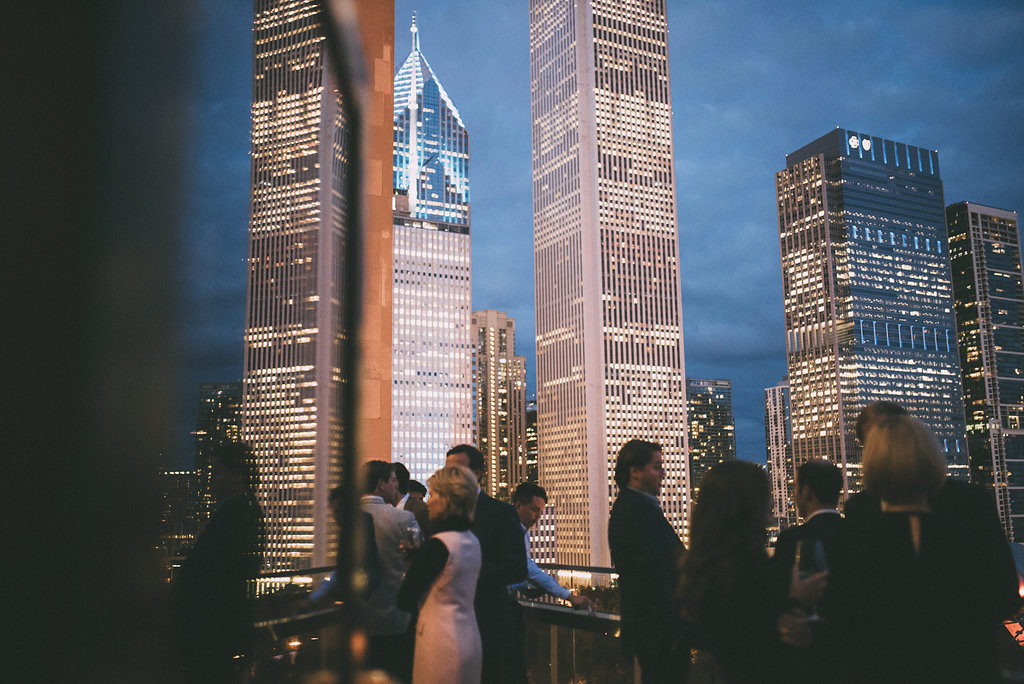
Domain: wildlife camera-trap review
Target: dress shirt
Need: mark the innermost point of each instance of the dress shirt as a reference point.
(537, 577)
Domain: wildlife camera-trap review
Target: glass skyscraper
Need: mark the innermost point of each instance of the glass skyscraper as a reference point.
(431, 394)
(712, 427)
(606, 260)
(984, 248)
(867, 294)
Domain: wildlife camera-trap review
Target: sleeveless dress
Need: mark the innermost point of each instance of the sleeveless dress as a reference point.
(448, 647)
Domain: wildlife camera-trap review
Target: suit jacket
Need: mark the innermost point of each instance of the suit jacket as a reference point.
(503, 562)
(821, 527)
(383, 616)
(646, 552)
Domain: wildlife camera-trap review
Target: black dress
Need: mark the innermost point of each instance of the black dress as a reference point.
(905, 615)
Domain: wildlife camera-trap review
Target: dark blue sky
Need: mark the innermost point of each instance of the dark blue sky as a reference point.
(751, 82)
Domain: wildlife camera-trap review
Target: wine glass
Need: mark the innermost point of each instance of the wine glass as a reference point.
(411, 537)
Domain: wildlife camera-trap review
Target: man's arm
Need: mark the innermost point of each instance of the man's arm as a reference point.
(544, 581)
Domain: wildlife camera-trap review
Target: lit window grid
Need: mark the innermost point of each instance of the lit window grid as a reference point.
(644, 392)
(500, 401)
(778, 442)
(989, 302)
(431, 346)
(290, 412)
(711, 424)
(873, 275)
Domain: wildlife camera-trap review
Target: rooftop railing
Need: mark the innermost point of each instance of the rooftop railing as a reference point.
(296, 639)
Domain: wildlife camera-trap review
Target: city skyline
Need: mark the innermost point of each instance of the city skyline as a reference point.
(910, 72)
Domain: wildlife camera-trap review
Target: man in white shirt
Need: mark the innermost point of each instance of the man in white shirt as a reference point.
(530, 500)
(390, 643)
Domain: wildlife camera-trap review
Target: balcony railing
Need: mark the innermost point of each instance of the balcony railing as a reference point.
(295, 639)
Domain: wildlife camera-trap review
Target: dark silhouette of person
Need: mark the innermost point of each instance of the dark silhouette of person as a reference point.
(727, 587)
(816, 494)
(213, 593)
(503, 562)
(912, 591)
(969, 503)
(646, 552)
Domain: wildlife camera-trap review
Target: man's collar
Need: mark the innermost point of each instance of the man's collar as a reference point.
(820, 511)
(648, 495)
(372, 498)
(401, 502)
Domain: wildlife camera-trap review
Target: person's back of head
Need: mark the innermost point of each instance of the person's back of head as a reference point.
(454, 487)
(375, 472)
(474, 458)
(636, 453)
(417, 488)
(874, 412)
(824, 479)
(402, 473)
(732, 506)
(727, 536)
(902, 462)
(234, 469)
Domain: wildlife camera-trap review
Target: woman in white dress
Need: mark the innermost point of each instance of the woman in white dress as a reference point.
(442, 581)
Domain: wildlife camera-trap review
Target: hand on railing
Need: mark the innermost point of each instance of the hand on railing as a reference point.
(580, 603)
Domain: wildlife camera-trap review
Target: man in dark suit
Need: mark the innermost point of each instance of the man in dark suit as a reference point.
(816, 494)
(503, 562)
(646, 552)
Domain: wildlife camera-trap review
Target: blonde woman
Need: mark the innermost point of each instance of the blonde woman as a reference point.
(914, 600)
(442, 581)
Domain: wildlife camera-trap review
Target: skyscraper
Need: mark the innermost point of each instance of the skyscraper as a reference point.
(431, 395)
(984, 248)
(778, 443)
(301, 231)
(712, 427)
(867, 294)
(219, 421)
(532, 468)
(500, 400)
(609, 320)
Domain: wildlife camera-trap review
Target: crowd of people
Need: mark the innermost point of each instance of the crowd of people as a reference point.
(910, 583)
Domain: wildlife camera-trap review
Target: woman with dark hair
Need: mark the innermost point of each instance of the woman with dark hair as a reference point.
(442, 582)
(913, 598)
(726, 588)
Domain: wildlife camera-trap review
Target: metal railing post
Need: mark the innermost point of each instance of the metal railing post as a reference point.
(554, 654)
